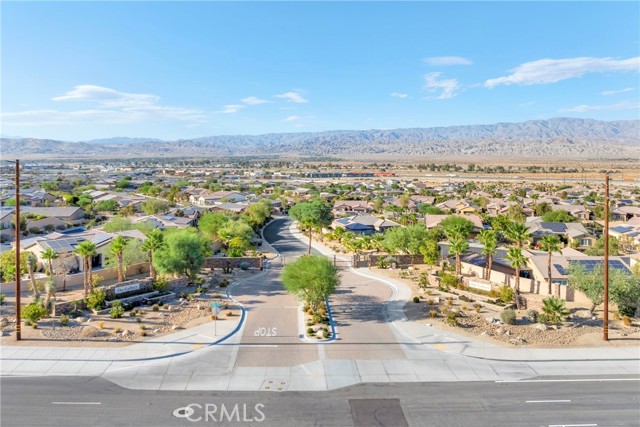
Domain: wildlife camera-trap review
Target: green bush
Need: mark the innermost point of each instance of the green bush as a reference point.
(533, 315)
(447, 281)
(244, 265)
(33, 312)
(508, 316)
(1, 299)
(506, 294)
(326, 333)
(416, 299)
(310, 331)
(95, 300)
(117, 310)
(161, 285)
(627, 310)
(452, 318)
(64, 320)
(554, 310)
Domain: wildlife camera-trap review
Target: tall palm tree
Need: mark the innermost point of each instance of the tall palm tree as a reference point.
(49, 255)
(458, 245)
(518, 232)
(489, 240)
(117, 248)
(517, 260)
(154, 241)
(86, 250)
(32, 265)
(551, 244)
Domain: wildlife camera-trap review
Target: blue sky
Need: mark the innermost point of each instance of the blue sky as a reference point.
(77, 71)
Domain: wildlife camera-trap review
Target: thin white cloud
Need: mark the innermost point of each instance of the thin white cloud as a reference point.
(545, 71)
(292, 97)
(252, 100)
(107, 97)
(625, 105)
(443, 61)
(292, 119)
(615, 92)
(447, 88)
(231, 108)
(109, 106)
(399, 95)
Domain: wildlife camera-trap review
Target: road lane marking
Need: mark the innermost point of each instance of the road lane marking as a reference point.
(76, 403)
(568, 380)
(547, 401)
(573, 425)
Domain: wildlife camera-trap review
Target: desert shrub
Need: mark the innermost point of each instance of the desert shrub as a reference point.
(33, 312)
(310, 331)
(433, 314)
(155, 307)
(325, 333)
(1, 299)
(117, 310)
(616, 315)
(533, 315)
(452, 318)
(142, 327)
(449, 302)
(478, 307)
(117, 330)
(465, 298)
(508, 316)
(416, 299)
(447, 281)
(95, 300)
(161, 285)
(100, 325)
(64, 320)
(229, 313)
(626, 320)
(626, 310)
(506, 294)
(89, 332)
(138, 319)
(199, 290)
(244, 265)
(431, 301)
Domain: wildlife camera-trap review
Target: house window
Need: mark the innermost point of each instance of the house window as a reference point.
(585, 242)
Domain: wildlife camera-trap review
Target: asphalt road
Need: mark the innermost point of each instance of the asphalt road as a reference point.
(81, 401)
(278, 235)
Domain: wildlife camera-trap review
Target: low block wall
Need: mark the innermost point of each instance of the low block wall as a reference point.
(233, 262)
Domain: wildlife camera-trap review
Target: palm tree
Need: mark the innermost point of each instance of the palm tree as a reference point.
(458, 246)
(554, 310)
(32, 265)
(517, 260)
(117, 248)
(86, 250)
(489, 240)
(518, 232)
(49, 255)
(154, 241)
(551, 244)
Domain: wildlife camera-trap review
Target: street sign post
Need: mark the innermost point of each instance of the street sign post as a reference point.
(215, 310)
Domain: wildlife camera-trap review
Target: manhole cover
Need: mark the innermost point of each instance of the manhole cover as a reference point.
(377, 412)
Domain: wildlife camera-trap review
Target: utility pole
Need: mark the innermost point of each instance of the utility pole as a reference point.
(605, 325)
(18, 269)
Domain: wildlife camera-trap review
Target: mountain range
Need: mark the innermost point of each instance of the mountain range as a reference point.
(552, 138)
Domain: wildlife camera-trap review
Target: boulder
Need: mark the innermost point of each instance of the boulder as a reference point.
(541, 326)
(4, 322)
(81, 319)
(126, 333)
(176, 327)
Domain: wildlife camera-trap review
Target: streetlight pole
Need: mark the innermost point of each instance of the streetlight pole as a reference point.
(18, 269)
(605, 325)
